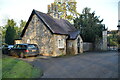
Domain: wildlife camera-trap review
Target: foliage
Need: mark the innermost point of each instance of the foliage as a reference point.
(67, 9)
(113, 39)
(10, 32)
(0, 37)
(118, 37)
(89, 25)
(3, 32)
(14, 68)
(20, 28)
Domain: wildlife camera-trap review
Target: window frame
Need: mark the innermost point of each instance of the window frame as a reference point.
(28, 41)
(60, 43)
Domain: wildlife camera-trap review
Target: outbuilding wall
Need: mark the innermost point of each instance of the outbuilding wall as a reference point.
(72, 47)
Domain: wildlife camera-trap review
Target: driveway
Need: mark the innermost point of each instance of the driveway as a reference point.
(86, 65)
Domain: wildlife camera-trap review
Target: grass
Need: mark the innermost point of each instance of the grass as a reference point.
(15, 68)
(0, 64)
(0, 69)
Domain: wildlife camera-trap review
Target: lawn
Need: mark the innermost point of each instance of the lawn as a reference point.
(0, 64)
(0, 68)
(15, 68)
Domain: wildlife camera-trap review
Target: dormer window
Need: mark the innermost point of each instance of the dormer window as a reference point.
(60, 43)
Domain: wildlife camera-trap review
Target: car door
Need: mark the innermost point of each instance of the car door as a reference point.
(13, 51)
(17, 49)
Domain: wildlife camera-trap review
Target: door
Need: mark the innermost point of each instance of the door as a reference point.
(78, 45)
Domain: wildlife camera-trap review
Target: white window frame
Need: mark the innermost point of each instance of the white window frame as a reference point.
(28, 40)
(60, 43)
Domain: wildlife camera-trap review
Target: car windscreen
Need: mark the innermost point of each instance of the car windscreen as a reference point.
(20, 47)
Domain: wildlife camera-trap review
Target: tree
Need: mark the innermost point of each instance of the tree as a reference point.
(89, 25)
(22, 24)
(67, 9)
(3, 33)
(19, 29)
(10, 32)
(112, 38)
(0, 36)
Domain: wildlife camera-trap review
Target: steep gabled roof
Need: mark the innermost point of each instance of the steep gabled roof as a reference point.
(56, 26)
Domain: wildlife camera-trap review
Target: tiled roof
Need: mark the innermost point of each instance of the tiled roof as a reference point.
(56, 26)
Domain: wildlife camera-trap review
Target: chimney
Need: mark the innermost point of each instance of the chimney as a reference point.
(49, 10)
(72, 1)
(57, 0)
(63, 1)
(52, 7)
(53, 10)
(56, 8)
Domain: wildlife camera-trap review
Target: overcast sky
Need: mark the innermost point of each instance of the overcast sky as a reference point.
(21, 9)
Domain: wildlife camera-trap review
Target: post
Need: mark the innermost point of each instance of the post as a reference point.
(104, 44)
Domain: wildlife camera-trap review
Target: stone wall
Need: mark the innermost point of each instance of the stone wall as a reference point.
(104, 42)
(101, 43)
(30, 33)
(59, 51)
(38, 33)
(17, 41)
(87, 46)
(98, 45)
(72, 46)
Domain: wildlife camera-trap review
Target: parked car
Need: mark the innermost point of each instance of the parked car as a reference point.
(24, 50)
(6, 49)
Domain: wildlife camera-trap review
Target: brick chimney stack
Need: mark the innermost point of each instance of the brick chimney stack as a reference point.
(53, 10)
(49, 9)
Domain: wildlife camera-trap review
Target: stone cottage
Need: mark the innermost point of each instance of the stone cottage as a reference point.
(53, 36)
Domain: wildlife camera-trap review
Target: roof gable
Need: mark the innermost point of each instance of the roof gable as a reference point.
(49, 21)
(56, 26)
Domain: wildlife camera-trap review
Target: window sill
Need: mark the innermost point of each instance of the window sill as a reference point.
(61, 48)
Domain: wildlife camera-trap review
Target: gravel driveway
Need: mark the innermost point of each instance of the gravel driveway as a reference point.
(86, 65)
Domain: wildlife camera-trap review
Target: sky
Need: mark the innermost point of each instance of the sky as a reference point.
(21, 10)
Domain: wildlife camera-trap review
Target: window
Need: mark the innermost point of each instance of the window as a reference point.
(28, 40)
(19, 46)
(60, 43)
(32, 47)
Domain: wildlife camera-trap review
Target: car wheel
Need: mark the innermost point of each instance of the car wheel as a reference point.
(21, 55)
(10, 53)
